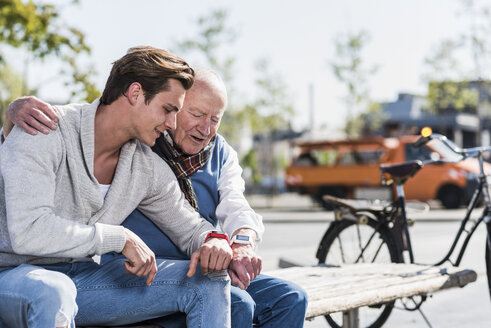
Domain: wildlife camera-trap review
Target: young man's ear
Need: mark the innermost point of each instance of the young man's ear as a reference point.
(134, 92)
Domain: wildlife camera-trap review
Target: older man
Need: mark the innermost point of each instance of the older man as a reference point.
(64, 195)
(209, 175)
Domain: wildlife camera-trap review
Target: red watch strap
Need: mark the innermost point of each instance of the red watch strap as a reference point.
(217, 234)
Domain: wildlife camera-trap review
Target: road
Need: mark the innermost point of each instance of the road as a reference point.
(294, 229)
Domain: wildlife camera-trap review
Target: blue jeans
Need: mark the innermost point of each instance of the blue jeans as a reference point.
(33, 296)
(268, 302)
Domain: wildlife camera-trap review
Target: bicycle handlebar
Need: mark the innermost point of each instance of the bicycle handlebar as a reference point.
(464, 152)
(421, 141)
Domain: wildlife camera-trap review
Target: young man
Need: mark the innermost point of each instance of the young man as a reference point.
(210, 176)
(64, 195)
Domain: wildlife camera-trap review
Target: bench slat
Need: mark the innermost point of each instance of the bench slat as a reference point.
(335, 289)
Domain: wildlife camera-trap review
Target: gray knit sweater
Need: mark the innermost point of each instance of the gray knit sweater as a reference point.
(51, 209)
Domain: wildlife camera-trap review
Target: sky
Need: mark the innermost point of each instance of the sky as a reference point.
(297, 37)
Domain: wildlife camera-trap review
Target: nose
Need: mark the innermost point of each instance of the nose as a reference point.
(204, 127)
(170, 121)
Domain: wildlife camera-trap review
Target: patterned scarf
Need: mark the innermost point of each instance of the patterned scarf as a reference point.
(183, 165)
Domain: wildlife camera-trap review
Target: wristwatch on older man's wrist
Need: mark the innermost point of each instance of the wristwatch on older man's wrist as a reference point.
(241, 239)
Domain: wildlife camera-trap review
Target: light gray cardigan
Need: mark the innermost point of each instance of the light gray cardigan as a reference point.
(51, 209)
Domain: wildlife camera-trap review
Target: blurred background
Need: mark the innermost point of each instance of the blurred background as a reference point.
(309, 70)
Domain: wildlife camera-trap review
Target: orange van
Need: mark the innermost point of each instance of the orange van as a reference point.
(350, 169)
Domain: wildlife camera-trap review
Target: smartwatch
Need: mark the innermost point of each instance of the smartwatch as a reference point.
(241, 239)
(216, 234)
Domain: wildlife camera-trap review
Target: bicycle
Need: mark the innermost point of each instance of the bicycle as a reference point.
(379, 232)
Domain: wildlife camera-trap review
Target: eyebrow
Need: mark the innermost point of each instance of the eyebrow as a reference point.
(174, 107)
(196, 109)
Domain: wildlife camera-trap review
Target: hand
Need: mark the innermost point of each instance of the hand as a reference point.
(245, 265)
(141, 258)
(32, 115)
(214, 255)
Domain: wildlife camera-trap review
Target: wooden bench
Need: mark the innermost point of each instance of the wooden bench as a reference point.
(347, 288)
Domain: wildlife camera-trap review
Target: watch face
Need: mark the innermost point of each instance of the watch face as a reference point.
(242, 237)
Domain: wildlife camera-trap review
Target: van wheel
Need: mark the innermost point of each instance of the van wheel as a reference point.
(450, 196)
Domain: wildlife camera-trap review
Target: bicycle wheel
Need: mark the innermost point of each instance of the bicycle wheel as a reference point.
(346, 242)
(488, 265)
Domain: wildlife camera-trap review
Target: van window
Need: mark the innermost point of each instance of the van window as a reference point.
(325, 156)
(305, 159)
(336, 156)
(417, 153)
(357, 157)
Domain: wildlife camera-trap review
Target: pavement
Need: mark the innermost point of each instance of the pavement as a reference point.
(295, 225)
(291, 207)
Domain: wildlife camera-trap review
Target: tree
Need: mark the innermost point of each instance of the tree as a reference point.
(12, 85)
(351, 70)
(452, 85)
(448, 86)
(213, 33)
(37, 30)
(368, 121)
(270, 109)
(266, 111)
(249, 160)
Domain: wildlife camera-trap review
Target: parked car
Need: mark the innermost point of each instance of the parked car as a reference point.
(350, 169)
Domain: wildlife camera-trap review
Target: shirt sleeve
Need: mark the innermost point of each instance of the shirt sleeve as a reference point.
(167, 208)
(29, 166)
(233, 211)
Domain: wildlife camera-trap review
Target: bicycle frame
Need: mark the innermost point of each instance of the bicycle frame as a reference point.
(387, 232)
(404, 241)
(481, 189)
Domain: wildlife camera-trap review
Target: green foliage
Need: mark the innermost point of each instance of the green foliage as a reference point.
(351, 70)
(12, 86)
(450, 87)
(272, 106)
(443, 64)
(213, 33)
(365, 122)
(269, 109)
(477, 38)
(250, 160)
(36, 28)
(450, 96)
(87, 90)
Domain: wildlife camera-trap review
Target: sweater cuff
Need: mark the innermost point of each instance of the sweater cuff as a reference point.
(113, 238)
(201, 239)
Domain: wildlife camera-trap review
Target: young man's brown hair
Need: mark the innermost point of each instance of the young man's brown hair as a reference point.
(149, 66)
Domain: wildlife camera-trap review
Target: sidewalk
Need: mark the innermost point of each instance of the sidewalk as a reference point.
(281, 201)
(292, 207)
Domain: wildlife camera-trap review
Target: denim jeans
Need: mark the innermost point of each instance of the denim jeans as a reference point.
(33, 296)
(268, 302)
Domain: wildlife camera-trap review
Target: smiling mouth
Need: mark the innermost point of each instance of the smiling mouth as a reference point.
(157, 132)
(199, 140)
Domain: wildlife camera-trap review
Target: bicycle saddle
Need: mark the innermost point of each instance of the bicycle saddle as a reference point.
(400, 172)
